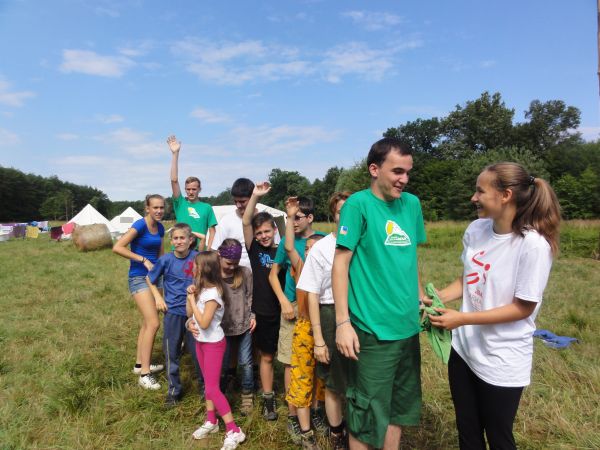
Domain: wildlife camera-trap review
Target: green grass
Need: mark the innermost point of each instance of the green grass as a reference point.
(67, 344)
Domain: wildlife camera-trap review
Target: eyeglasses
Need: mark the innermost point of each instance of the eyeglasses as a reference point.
(298, 218)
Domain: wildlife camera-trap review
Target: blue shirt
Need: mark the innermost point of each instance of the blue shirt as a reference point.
(177, 276)
(145, 244)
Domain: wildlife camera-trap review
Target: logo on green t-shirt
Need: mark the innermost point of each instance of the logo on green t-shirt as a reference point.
(395, 235)
(193, 213)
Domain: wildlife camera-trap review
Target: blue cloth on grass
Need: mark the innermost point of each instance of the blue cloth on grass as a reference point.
(552, 340)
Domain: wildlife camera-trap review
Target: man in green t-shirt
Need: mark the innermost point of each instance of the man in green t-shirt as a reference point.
(198, 215)
(376, 291)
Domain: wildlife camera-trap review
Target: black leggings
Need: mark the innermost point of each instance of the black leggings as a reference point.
(481, 406)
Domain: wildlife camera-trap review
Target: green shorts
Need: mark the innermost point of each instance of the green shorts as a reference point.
(384, 387)
(335, 373)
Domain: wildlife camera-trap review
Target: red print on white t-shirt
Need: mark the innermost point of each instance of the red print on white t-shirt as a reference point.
(473, 277)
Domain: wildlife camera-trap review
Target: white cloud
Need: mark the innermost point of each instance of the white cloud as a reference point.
(207, 116)
(9, 97)
(133, 142)
(589, 133)
(91, 63)
(106, 11)
(67, 136)
(8, 138)
(108, 119)
(373, 21)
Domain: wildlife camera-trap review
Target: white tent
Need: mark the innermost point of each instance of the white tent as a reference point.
(123, 221)
(221, 210)
(89, 216)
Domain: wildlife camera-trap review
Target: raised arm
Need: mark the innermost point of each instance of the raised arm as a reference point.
(291, 206)
(260, 189)
(174, 146)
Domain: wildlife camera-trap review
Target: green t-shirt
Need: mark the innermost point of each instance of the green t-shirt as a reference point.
(383, 289)
(198, 215)
(281, 258)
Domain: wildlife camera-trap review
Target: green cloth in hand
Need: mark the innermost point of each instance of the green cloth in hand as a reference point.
(440, 339)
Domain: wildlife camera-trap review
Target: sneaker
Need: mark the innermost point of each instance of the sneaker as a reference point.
(172, 400)
(318, 422)
(247, 404)
(309, 441)
(205, 429)
(154, 368)
(339, 441)
(269, 407)
(293, 429)
(233, 439)
(148, 381)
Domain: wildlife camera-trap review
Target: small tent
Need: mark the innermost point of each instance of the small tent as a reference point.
(89, 216)
(123, 221)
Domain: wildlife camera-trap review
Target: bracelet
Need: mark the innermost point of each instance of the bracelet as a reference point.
(320, 346)
(316, 324)
(342, 322)
(143, 259)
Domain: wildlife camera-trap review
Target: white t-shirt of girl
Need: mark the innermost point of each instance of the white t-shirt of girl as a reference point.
(214, 332)
(498, 268)
(316, 273)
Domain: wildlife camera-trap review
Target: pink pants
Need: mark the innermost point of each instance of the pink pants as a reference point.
(210, 359)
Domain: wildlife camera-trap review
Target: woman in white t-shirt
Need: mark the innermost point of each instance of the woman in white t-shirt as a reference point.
(207, 308)
(507, 256)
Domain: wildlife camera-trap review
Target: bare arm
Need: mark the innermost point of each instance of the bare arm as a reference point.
(345, 336)
(260, 189)
(450, 318)
(121, 248)
(321, 350)
(174, 146)
(453, 291)
(161, 305)
(287, 310)
(291, 206)
(203, 319)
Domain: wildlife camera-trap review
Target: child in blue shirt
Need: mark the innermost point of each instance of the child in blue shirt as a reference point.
(176, 268)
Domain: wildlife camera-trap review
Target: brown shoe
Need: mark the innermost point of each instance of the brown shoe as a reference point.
(309, 441)
(247, 404)
(339, 441)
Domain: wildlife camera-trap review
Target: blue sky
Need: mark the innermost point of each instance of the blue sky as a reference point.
(90, 90)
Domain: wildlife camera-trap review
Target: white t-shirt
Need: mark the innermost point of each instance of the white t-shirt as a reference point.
(231, 227)
(214, 332)
(498, 268)
(316, 274)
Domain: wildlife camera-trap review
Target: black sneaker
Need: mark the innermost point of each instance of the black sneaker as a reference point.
(318, 421)
(339, 441)
(269, 406)
(294, 430)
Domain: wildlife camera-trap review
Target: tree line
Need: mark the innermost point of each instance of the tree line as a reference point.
(449, 153)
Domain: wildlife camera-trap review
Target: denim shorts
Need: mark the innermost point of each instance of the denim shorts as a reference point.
(138, 284)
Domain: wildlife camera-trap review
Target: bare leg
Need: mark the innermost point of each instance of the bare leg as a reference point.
(150, 324)
(266, 372)
(392, 437)
(333, 408)
(355, 444)
(304, 418)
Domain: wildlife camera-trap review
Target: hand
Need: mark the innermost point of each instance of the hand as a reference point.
(322, 354)
(291, 206)
(161, 305)
(192, 328)
(252, 325)
(199, 235)
(148, 264)
(449, 320)
(347, 341)
(261, 189)
(191, 289)
(174, 144)
(287, 311)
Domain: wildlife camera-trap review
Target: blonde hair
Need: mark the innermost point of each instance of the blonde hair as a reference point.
(537, 205)
(208, 272)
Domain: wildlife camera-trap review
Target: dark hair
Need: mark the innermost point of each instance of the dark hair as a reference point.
(261, 218)
(242, 187)
(306, 205)
(381, 148)
(537, 204)
(150, 197)
(335, 199)
(208, 272)
(315, 237)
(189, 180)
(238, 272)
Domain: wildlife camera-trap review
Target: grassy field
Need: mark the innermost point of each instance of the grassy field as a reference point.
(67, 344)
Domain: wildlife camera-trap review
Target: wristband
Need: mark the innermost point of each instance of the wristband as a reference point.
(320, 346)
(342, 323)
(143, 259)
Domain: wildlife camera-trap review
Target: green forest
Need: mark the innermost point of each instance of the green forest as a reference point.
(449, 153)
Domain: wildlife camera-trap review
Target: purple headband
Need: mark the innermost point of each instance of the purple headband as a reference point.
(231, 252)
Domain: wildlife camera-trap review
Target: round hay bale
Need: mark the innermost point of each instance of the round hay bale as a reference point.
(91, 237)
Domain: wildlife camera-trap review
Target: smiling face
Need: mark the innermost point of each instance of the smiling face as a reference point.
(156, 209)
(391, 177)
(488, 200)
(228, 266)
(264, 234)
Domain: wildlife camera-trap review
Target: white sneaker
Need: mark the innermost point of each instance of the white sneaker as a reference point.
(233, 439)
(149, 382)
(205, 429)
(154, 368)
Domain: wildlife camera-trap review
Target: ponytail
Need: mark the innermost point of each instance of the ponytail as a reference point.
(537, 204)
